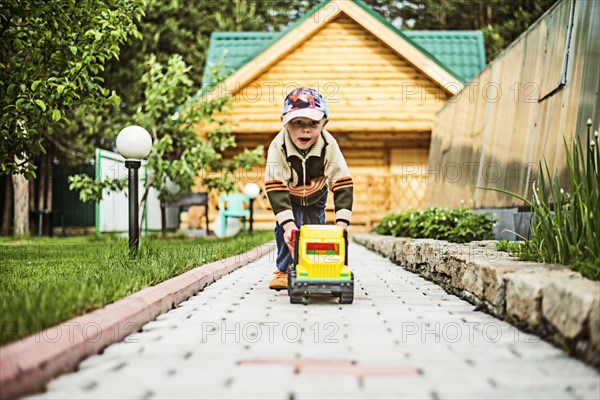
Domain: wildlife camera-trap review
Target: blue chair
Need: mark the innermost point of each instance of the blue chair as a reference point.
(235, 205)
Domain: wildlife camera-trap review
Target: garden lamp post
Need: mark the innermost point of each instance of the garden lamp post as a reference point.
(134, 143)
(252, 190)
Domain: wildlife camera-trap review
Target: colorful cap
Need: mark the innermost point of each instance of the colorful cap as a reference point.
(304, 102)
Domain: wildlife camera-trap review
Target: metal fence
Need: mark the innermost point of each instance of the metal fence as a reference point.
(76, 212)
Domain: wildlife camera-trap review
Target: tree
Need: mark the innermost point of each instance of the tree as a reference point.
(179, 155)
(51, 56)
(168, 28)
(184, 28)
(501, 21)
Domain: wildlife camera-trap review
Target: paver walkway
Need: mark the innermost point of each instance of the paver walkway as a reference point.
(403, 337)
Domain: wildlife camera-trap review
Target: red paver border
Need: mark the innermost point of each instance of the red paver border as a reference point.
(28, 365)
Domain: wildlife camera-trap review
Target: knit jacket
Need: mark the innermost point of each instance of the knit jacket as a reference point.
(292, 178)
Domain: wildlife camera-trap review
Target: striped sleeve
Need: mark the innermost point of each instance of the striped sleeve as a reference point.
(276, 186)
(340, 182)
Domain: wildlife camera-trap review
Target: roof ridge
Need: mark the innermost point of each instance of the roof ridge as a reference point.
(389, 25)
(264, 40)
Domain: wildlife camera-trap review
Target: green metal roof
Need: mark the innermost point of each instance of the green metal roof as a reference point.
(461, 53)
(238, 48)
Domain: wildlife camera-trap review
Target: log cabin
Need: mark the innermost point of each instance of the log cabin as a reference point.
(383, 88)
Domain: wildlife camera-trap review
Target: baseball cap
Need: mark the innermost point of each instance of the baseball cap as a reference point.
(303, 102)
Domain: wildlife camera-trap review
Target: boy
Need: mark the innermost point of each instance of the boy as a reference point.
(302, 161)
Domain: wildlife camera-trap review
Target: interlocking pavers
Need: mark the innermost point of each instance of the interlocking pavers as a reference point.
(402, 337)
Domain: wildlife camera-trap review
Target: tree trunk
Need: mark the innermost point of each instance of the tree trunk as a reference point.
(49, 157)
(21, 202)
(8, 201)
(41, 186)
(443, 15)
(31, 194)
(33, 223)
(163, 219)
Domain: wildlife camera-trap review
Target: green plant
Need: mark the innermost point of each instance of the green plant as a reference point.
(53, 54)
(91, 189)
(565, 227)
(180, 154)
(386, 224)
(458, 225)
(523, 250)
(46, 281)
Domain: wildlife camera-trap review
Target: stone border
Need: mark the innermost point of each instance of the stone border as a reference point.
(28, 364)
(548, 300)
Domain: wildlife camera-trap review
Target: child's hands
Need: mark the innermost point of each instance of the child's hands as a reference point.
(287, 236)
(342, 224)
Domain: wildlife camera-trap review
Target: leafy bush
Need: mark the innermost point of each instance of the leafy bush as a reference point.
(458, 225)
(565, 228)
(91, 189)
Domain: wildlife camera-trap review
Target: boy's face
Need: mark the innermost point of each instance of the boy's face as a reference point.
(305, 131)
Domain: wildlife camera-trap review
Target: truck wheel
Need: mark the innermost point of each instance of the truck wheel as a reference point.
(291, 279)
(296, 298)
(346, 298)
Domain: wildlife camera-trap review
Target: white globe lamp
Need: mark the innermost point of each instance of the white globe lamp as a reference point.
(252, 190)
(134, 143)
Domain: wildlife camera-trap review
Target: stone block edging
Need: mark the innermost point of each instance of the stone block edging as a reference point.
(548, 300)
(28, 364)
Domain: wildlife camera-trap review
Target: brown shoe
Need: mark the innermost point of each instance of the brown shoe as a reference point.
(279, 282)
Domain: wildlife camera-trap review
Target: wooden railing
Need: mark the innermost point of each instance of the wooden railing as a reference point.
(384, 194)
(375, 195)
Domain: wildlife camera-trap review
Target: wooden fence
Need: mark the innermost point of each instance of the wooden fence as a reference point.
(517, 111)
(375, 195)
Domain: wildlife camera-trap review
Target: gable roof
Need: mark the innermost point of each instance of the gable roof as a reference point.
(254, 61)
(461, 52)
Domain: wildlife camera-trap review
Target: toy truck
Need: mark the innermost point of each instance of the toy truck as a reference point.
(320, 265)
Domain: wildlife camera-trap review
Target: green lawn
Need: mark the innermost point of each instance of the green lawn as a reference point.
(46, 281)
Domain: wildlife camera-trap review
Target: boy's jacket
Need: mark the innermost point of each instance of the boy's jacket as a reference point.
(292, 178)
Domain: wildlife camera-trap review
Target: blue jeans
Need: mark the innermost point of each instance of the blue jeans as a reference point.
(313, 214)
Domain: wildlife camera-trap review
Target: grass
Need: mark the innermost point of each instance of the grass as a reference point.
(526, 251)
(47, 281)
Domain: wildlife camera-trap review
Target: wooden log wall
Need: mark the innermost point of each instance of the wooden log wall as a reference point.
(368, 87)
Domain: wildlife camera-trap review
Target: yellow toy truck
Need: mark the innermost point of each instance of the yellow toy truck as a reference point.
(320, 264)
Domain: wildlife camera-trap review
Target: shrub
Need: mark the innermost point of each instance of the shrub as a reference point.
(386, 224)
(458, 225)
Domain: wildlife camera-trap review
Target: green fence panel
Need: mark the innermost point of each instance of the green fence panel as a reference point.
(76, 212)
